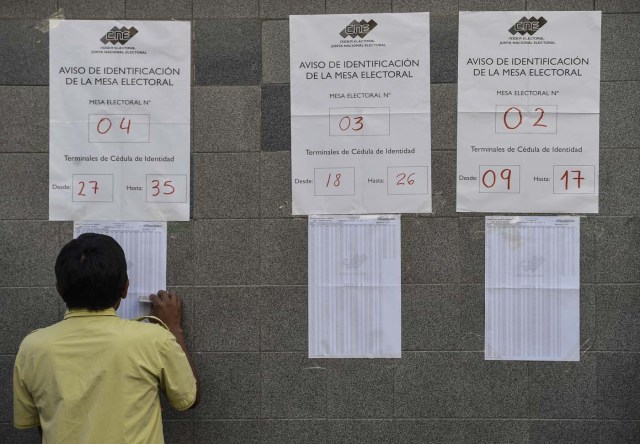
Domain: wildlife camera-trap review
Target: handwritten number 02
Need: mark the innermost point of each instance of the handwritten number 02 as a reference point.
(537, 122)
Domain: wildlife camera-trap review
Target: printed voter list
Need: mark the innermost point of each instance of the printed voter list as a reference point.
(119, 120)
(528, 112)
(360, 114)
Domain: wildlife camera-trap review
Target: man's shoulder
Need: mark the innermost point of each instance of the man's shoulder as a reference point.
(40, 335)
(142, 329)
(130, 331)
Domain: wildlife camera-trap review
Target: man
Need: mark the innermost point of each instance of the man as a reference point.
(93, 377)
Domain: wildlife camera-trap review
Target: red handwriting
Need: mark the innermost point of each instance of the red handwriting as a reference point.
(489, 178)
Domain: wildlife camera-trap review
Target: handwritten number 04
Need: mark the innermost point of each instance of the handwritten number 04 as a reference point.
(104, 129)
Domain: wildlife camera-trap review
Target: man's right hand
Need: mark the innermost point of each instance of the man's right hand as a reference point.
(168, 308)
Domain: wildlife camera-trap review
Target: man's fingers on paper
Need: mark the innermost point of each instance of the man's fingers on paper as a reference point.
(165, 297)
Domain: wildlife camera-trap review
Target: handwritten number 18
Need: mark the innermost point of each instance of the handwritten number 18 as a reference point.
(336, 181)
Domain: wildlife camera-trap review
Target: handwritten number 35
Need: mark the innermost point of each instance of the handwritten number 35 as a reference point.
(168, 187)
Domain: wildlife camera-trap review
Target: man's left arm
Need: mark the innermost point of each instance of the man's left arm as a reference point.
(25, 412)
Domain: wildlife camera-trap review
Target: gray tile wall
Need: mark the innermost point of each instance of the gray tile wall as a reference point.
(241, 262)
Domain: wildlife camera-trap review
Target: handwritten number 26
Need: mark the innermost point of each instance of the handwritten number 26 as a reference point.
(401, 179)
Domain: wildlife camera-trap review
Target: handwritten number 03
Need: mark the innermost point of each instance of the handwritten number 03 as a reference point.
(345, 123)
(168, 184)
(516, 109)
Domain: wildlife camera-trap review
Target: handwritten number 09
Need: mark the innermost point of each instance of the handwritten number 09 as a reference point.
(491, 176)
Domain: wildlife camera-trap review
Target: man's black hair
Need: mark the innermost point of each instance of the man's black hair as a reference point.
(91, 272)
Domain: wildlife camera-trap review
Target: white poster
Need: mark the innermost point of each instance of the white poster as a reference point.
(145, 247)
(360, 114)
(354, 286)
(532, 288)
(119, 134)
(528, 112)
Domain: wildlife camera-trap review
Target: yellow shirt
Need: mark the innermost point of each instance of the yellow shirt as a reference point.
(95, 378)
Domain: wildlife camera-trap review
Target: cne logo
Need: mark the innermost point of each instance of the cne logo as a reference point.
(119, 35)
(527, 25)
(358, 29)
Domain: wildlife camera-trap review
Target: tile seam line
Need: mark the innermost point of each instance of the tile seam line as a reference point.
(263, 19)
(404, 418)
(396, 360)
(377, 361)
